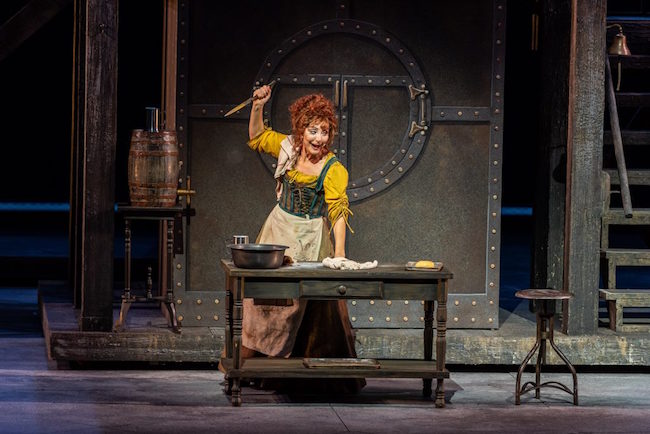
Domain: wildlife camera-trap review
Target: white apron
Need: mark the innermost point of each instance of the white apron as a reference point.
(270, 329)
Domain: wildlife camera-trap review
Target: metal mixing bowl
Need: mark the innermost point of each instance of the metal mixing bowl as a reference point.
(257, 255)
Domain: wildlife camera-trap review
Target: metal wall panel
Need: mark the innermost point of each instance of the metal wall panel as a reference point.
(420, 135)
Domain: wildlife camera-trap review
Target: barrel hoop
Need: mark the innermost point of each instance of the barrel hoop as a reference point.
(141, 196)
(138, 153)
(153, 184)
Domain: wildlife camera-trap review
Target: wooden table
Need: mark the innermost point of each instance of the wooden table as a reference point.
(311, 280)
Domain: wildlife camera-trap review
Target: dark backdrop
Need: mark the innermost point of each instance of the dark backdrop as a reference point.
(35, 95)
(36, 81)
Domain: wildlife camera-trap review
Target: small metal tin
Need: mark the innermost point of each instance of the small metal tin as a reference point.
(240, 239)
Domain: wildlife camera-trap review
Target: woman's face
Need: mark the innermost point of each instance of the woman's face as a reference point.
(315, 138)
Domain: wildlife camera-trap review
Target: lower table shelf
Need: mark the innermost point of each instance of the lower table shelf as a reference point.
(259, 367)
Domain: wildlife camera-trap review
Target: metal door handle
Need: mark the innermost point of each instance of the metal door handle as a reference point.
(342, 289)
(345, 93)
(336, 93)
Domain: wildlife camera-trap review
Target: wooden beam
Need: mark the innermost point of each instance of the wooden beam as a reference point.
(26, 22)
(170, 47)
(584, 165)
(76, 150)
(97, 145)
(168, 98)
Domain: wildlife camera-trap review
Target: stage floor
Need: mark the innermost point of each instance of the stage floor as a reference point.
(36, 397)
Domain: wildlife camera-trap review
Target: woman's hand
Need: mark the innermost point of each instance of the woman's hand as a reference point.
(261, 95)
(256, 121)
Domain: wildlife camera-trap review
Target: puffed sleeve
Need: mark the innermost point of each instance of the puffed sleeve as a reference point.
(335, 185)
(267, 141)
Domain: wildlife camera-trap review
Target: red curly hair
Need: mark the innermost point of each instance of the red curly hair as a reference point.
(312, 109)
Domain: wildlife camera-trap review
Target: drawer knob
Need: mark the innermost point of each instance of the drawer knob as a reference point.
(342, 289)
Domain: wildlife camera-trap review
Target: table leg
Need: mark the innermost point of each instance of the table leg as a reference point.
(169, 271)
(126, 294)
(171, 310)
(428, 344)
(124, 309)
(228, 329)
(127, 258)
(441, 340)
(237, 330)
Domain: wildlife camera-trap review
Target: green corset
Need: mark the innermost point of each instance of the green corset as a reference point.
(305, 200)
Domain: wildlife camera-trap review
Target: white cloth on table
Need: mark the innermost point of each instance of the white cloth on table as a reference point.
(342, 263)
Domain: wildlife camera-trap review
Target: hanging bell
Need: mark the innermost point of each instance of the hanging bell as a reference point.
(618, 48)
(619, 45)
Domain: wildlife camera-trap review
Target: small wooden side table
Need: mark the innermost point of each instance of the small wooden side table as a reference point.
(544, 305)
(171, 234)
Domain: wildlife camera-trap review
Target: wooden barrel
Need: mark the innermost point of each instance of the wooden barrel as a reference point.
(153, 168)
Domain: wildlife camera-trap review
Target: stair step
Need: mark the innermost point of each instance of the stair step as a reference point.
(616, 216)
(617, 300)
(627, 256)
(634, 177)
(630, 295)
(629, 137)
(632, 99)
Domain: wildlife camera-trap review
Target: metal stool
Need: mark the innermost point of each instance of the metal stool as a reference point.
(544, 305)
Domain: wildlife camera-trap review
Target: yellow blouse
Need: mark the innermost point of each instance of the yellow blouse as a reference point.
(335, 183)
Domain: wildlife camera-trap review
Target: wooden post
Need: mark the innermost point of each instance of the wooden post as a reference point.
(551, 170)
(584, 165)
(170, 44)
(93, 153)
(76, 151)
(168, 97)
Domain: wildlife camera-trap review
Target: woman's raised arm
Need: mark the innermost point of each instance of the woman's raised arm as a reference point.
(256, 120)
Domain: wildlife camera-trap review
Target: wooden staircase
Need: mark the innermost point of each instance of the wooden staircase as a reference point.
(628, 309)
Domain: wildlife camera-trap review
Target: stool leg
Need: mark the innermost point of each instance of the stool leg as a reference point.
(571, 368)
(521, 370)
(541, 356)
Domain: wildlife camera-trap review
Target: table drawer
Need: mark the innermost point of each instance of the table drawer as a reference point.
(341, 289)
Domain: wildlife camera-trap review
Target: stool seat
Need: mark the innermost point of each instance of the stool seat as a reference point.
(543, 294)
(544, 300)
